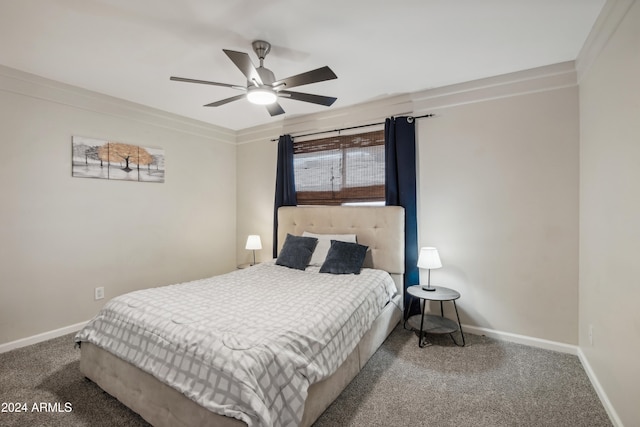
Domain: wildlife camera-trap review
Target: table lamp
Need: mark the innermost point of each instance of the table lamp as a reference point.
(253, 244)
(429, 259)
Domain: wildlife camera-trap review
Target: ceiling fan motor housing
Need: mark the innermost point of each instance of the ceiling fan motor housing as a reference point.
(266, 75)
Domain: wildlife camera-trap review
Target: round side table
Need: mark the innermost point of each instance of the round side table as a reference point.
(429, 323)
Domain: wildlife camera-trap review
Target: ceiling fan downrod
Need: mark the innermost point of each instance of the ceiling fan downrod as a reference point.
(261, 48)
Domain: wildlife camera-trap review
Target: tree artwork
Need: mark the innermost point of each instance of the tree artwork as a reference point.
(157, 161)
(80, 150)
(93, 152)
(94, 158)
(116, 152)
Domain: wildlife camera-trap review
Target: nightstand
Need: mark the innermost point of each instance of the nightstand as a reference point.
(432, 324)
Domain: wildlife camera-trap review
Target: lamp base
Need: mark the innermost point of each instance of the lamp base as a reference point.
(428, 289)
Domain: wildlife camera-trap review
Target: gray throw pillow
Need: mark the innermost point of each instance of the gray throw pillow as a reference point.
(296, 251)
(344, 258)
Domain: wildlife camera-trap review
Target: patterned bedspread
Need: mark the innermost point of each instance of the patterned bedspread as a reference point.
(245, 344)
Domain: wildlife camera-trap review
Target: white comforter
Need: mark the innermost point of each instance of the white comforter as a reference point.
(246, 344)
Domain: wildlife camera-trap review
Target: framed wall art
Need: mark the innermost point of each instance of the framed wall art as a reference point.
(97, 158)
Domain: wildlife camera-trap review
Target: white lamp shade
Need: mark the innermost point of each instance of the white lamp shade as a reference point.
(429, 258)
(253, 243)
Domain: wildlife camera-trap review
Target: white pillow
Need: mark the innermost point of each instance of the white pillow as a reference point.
(324, 243)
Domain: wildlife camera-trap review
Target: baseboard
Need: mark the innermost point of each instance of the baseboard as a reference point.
(23, 342)
(613, 415)
(522, 339)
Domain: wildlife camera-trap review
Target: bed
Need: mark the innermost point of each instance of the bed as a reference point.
(309, 389)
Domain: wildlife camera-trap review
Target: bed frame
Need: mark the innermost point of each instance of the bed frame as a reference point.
(380, 228)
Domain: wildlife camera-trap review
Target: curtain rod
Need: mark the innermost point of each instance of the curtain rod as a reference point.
(349, 128)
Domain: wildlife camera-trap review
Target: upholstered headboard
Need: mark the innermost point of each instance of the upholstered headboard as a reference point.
(379, 227)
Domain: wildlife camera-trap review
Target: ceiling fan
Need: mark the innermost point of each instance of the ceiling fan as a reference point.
(262, 87)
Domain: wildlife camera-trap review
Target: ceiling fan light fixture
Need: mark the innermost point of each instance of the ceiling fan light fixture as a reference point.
(261, 96)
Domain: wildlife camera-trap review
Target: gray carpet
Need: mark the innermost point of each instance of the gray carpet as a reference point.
(488, 383)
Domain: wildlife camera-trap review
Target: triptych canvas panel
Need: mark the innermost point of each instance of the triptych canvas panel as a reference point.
(97, 158)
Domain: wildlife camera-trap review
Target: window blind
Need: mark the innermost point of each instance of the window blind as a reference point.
(340, 169)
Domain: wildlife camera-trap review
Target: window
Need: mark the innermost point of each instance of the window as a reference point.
(341, 169)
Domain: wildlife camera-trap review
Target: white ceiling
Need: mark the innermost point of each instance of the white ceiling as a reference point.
(129, 48)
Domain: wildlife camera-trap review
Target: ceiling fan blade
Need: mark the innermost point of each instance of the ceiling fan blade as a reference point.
(243, 62)
(206, 82)
(274, 109)
(314, 76)
(309, 97)
(226, 101)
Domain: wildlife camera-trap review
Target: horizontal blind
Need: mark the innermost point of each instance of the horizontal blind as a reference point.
(340, 169)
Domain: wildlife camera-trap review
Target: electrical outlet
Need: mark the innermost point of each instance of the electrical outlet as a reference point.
(590, 334)
(99, 293)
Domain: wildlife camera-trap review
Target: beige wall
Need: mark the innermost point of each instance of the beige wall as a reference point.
(498, 194)
(62, 236)
(498, 197)
(610, 214)
(256, 175)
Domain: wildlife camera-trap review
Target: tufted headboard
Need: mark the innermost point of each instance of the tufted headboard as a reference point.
(379, 227)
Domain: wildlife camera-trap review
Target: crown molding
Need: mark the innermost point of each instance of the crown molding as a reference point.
(534, 80)
(612, 14)
(550, 77)
(31, 85)
(260, 133)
